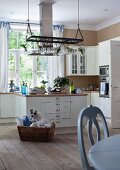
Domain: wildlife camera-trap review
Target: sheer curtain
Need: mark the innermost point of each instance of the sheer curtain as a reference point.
(4, 28)
(56, 63)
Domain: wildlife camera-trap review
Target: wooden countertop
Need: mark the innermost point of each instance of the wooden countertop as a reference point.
(84, 93)
(51, 95)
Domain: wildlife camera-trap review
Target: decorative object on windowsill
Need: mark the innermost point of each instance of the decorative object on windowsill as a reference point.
(12, 85)
(45, 40)
(61, 84)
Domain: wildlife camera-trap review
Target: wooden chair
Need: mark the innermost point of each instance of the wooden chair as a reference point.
(91, 113)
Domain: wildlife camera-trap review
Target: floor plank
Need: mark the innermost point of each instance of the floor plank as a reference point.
(60, 154)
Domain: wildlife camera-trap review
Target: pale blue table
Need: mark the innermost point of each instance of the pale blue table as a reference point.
(105, 154)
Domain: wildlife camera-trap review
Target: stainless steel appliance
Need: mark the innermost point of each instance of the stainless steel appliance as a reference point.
(104, 70)
(104, 81)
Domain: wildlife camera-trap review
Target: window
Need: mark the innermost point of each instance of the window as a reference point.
(24, 67)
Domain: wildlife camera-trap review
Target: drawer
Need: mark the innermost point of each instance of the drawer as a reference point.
(65, 122)
(56, 116)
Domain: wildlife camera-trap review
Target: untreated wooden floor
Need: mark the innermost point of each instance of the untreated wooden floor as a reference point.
(60, 154)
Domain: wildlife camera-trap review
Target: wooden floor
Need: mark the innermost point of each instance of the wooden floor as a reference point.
(60, 154)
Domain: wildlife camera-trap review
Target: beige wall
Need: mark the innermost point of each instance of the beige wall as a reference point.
(94, 37)
(110, 32)
(90, 37)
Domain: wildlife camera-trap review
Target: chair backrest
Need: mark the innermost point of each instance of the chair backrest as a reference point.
(91, 113)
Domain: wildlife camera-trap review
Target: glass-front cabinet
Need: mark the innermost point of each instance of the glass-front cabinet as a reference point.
(82, 60)
(75, 61)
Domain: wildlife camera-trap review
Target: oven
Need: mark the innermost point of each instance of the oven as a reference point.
(104, 86)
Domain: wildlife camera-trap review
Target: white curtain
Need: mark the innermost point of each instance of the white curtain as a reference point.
(4, 27)
(56, 63)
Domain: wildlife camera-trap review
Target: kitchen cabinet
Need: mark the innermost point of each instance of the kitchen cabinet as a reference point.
(93, 98)
(82, 63)
(57, 109)
(63, 110)
(77, 104)
(105, 106)
(104, 53)
(76, 61)
(7, 107)
(92, 60)
(20, 106)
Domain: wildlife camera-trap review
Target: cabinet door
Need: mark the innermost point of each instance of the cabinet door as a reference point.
(95, 99)
(76, 61)
(7, 105)
(105, 106)
(20, 106)
(91, 61)
(77, 104)
(104, 53)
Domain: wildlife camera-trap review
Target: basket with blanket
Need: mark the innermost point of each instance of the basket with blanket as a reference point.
(33, 127)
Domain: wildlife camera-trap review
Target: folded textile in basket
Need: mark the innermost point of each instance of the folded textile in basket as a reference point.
(33, 119)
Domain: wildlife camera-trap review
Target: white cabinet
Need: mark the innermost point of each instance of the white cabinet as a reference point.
(20, 106)
(7, 106)
(92, 61)
(105, 106)
(76, 61)
(77, 104)
(63, 110)
(93, 99)
(82, 61)
(104, 53)
(57, 109)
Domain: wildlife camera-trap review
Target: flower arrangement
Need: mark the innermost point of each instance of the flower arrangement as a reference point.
(61, 82)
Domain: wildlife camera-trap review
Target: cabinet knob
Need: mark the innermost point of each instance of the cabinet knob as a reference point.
(58, 121)
(57, 98)
(58, 104)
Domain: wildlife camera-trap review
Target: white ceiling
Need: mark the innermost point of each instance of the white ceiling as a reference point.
(93, 13)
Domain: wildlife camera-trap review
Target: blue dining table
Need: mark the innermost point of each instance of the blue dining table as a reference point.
(105, 154)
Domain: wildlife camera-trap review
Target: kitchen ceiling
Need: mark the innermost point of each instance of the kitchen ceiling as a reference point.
(93, 13)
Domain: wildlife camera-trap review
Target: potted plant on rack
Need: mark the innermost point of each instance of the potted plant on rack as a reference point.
(62, 83)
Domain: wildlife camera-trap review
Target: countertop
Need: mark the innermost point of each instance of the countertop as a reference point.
(84, 93)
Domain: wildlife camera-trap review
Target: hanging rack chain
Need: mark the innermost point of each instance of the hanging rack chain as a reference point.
(78, 30)
(28, 21)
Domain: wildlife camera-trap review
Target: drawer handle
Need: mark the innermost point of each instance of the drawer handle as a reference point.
(57, 115)
(57, 109)
(57, 98)
(58, 121)
(58, 104)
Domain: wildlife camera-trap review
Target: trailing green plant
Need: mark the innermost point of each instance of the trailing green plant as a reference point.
(61, 82)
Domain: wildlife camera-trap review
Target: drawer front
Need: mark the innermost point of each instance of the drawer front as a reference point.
(65, 122)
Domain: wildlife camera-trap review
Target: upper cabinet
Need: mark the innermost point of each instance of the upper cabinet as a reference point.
(75, 61)
(82, 61)
(92, 60)
(104, 53)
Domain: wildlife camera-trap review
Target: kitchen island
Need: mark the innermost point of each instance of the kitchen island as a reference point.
(63, 109)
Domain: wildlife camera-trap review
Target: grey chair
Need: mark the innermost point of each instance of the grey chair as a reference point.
(91, 113)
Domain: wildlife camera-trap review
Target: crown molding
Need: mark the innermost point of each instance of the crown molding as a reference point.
(82, 27)
(108, 23)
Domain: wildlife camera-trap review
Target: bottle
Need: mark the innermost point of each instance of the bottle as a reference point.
(26, 90)
(23, 88)
(72, 87)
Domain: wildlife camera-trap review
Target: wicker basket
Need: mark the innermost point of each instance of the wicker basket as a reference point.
(36, 134)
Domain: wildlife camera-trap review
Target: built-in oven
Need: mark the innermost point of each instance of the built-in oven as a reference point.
(104, 86)
(104, 70)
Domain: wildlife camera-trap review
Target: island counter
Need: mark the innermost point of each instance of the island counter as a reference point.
(63, 109)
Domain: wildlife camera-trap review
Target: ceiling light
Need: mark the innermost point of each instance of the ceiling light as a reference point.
(47, 41)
